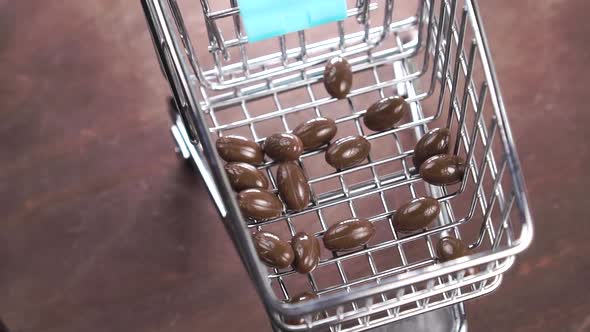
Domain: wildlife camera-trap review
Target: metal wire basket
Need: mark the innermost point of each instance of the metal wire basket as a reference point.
(435, 54)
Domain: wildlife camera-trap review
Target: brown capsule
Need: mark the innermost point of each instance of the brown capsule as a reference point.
(449, 248)
(234, 148)
(245, 176)
(273, 251)
(443, 169)
(316, 132)
(305, 296)
(259, 204)
(385, 113)
(293, 186)
(283, 147)
(338, 77)
(348, 234)
(416, 214)
(433, 143)
(347, 152)
(307, 252)
(301, 297)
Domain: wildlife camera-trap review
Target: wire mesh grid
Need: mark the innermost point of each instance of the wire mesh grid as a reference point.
(235, 63)
(451, 86)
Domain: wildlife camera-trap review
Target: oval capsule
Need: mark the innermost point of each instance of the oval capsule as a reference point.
(416, 214)
(259, 204)
(443, 169)
(348, 234)
(301, 297)
(293, 186)
(316, 132)
(385, 113)
(245, 176)
(433, 143)
(273, 251)
(307, 252)
(283, 147)
(338, 77)
(305, 296)
(348, 151)
(234, 148)
(449, 248)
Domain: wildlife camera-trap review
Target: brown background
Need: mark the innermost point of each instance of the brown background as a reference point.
(103, 229)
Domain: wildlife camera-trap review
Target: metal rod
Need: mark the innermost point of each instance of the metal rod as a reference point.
(460, 127)
(456, 70)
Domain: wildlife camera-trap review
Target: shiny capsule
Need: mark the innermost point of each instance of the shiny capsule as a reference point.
(347, 152)
(338, 77)
(385, 113)
(433, 143)
(348, 234)
(449, 248)
(273, 251)
(283, 147)
(301, 297)
(316, 132)
(245, 176)
(416, 214)
(259, 204)
(307, 252)
(293, 186)
(234, 148)
(443, 169)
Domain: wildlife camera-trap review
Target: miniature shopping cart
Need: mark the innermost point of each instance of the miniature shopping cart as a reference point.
(433, 53)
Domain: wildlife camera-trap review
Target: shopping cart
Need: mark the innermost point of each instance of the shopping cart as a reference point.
(432, 52)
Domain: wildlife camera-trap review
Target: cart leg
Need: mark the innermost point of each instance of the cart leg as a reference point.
(193, 154)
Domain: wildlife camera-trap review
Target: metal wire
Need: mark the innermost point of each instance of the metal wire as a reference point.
(492, 182)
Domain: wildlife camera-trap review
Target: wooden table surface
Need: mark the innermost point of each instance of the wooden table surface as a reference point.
(103, 229)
